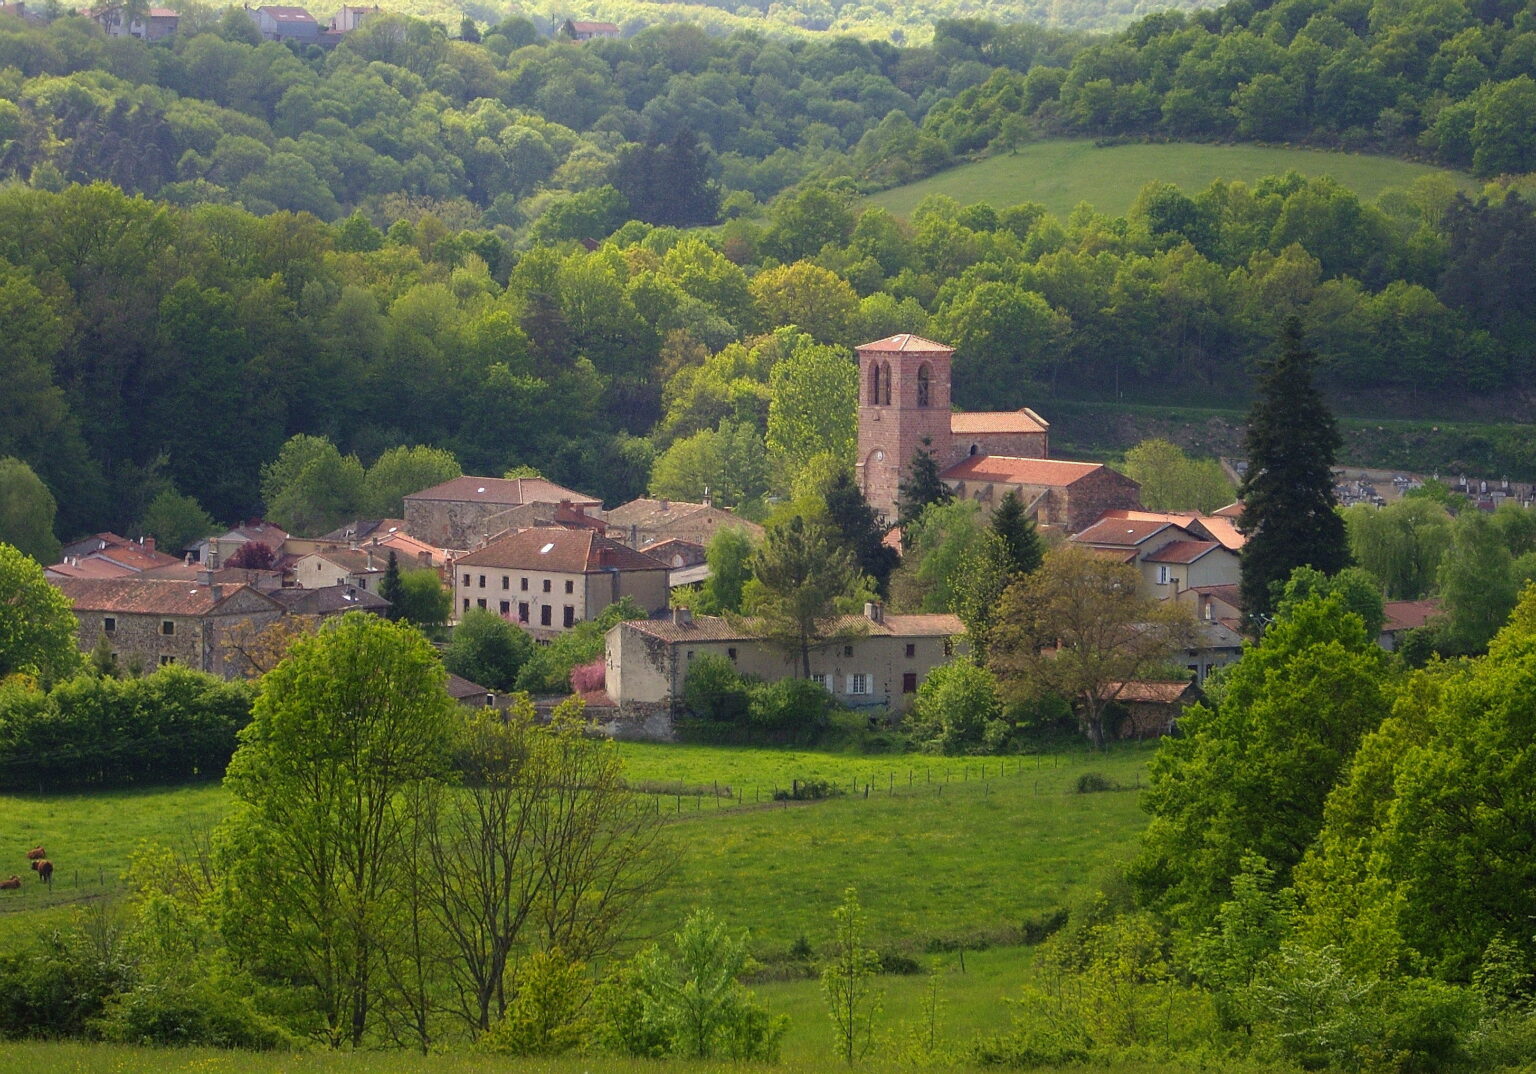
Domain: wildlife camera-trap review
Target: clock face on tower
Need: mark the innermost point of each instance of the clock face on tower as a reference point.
(879, 456)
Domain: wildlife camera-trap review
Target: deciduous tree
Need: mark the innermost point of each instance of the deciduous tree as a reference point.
(37, 621)
(801, 571)
(1078, 628)
(488, 650)
(27, 511)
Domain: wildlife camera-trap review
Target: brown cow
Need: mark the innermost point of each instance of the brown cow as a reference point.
(12, 884)
(44, 870)
(36, 854)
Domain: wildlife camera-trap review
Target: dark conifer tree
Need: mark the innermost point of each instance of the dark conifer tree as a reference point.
(1020, 538)
(860, 529)
(922, 486)
(1289, 511)
(389, 585)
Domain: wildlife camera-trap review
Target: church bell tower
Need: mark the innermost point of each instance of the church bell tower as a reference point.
(903, 398)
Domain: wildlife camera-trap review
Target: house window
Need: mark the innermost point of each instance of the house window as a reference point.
(482, 581)
(466, 604)
(109, 624)
(949, 646)
(522, 611)
(506, 606)
(466, 579)
(570, 587)
(523, 584)
(690, 654)
(168, 627)
(544, 615)
(480, 602)
(1162, 574)
(362, 583)
(506, 582)
(858, 684)
(731, 653)
(823, 681)
(167, 661)
(909, 682)
(546, 585)
(847, 650)
(570, 616)
(911, 650)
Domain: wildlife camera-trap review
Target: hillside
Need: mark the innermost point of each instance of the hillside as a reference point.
(1062, 173)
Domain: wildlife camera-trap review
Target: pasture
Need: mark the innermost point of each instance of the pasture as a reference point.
(1062, 173)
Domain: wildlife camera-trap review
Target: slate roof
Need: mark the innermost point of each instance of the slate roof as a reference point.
(329, 600)
(510, 492)
(554, 549)
(906, 341)
(363, 528)
(1056, 473)
(144, 596)
(287, 14)
(997, 421)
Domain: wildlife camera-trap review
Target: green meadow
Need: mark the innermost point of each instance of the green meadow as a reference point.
(1062, 173)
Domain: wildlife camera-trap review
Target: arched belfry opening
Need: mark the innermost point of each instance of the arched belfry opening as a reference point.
(874, 383)
(923, 378)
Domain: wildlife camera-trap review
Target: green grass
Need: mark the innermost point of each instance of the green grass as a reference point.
(1060, 174)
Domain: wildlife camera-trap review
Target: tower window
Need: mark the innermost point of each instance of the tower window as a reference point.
(874, 383)
(922, 385)
(885, 391)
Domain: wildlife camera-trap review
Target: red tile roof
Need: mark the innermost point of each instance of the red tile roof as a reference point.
(89, 567)
(1232, 510)
(550, 548)
(714, 628)
(511, 492)
(1121, 532)
(1055, 473)
(906, 342)
(997, 421)
(144, 596)
(1182, 552)
(1409, 614)
(1147, 691)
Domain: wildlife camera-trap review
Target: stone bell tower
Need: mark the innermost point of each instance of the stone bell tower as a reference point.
(903, 398)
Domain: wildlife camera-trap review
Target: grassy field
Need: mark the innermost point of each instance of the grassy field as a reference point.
(944, 849)
(1060, 174)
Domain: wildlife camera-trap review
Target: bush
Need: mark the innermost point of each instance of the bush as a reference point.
(714, 691)
(488, 650)
(1094, 782)
(808, 790)
(957, 711)
(791, 710)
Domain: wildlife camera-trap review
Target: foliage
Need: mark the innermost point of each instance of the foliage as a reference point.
(800, 573)
(422, 598)
(27, 510)
(37, 621)
(547, 1015)
(940, 547)
(488, 650)
(1401, 544)
(175, 521)
(1477, 585)
(957, 710)
(1021, 540)
(1172, 481)
(353, 717)
(1077, 628)
(1289, 514)
(548, 671)
(1250, 777)
(791, 710)
(729, 555)
(811, 408)
(1358, 592)
(920, 489)
(852, 1002)
(169, 726)
(713, 690)
(692, 1004)
(859, 526)
(401, 471)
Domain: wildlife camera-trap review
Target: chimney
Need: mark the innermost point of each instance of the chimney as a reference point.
(874, 611)
(217, 591)
(682, 616)
(148, 543)
(205, 577)
(666, 505)
(709, 501)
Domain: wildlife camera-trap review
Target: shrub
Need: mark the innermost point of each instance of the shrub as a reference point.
(488, 650)
(714, 691)
(791, 709)
(1094, 782)
(957, 711)
(807, 790)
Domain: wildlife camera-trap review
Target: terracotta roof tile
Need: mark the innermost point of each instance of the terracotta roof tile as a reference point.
(715, 628)
(1001, 468)
(1182, 552)
(1409, 614)
(1121, 532)
(511, 492)
(556, 549)
(1147, 691)
(997, 421)
(145, 596)
(905, 341)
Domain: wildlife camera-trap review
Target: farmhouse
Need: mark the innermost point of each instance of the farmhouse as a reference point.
(152, 622)
(651, 521)
(1173, 552)
(551, 578)
(878, 659)
(586, 30)
(904, 407)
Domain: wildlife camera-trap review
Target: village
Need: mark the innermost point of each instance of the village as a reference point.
(546, 558)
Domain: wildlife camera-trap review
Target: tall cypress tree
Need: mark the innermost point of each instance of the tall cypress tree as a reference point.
(859, 526)
(389, 585)
(922, 486)
(1289, 511)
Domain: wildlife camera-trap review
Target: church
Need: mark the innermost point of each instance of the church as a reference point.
(904, 399)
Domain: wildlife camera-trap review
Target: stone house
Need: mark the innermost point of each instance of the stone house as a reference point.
(878, 659)
(586, 30)
(360, 568)
(106, 555)
(155, 24)
(460, 513)
(327, 602)
(549, 579)
(650, 521)
(281, 23)
(214, 552)
(157, 621)
(1068, 495)
(1151, 708)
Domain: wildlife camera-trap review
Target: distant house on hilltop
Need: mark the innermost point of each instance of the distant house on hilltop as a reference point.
(155, 24)
(276, 23)
(462, 513)
(578, 30)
